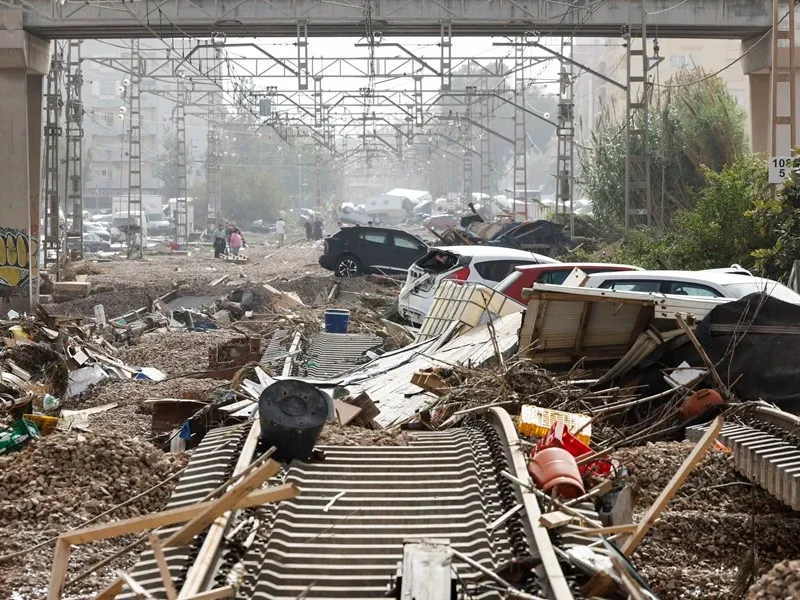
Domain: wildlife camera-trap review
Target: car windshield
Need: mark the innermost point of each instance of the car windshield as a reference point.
(773, 288)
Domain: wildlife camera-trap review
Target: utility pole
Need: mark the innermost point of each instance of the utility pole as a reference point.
(565, 136)
(52, 131)
(74, 139)
(134, 238)
(213, 151)
(776, 77)
(181, 203)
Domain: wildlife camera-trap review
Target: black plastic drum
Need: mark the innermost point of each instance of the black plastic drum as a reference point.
(292, 415)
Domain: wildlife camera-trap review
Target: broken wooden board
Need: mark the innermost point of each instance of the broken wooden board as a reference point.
(430, 381)
(284, 300)
(345, 412)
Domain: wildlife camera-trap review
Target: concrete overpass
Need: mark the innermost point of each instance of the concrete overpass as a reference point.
(26, 26)
(50, 19)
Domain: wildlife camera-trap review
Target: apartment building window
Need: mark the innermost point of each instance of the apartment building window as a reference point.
(676, 61)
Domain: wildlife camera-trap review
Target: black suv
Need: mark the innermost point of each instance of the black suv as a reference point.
(354, 251)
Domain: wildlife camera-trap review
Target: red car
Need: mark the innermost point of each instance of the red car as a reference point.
(525, 276)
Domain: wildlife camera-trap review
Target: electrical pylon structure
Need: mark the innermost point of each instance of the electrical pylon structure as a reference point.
(181, 203)
(53, 240)
(74, 142)
(134, 238)
(520, 137)
(565, 136)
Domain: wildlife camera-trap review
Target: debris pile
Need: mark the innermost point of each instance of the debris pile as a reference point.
(782, 581)
(64, 479)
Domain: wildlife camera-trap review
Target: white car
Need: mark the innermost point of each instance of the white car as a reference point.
(488, 265)
(711, 283)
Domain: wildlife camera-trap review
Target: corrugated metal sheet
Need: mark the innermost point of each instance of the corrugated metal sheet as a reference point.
(331, 354)
(387, 380)
(275, 353)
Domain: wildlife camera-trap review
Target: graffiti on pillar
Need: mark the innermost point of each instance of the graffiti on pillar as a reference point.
(18, 261)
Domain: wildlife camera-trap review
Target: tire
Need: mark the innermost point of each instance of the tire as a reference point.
(348, 266)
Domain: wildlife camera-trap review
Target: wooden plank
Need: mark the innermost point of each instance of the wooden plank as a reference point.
(171, 516)
(58, 573)
(681, 475)
(115, 587)
(555, 519)
(293, 350)
(225, 503)
(199, 569)
(163, 568)
(610, 530)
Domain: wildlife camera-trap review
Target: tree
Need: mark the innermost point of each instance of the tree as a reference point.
(251, 184)
(167, 167)
(724, 226)
(779, 219)
(699, 126)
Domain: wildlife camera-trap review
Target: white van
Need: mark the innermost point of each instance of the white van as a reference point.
(121, 220)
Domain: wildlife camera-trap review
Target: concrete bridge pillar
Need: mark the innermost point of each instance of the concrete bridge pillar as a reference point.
(757, 65)
(24, 60)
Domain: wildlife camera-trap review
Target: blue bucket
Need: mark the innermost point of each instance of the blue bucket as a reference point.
(337, 320)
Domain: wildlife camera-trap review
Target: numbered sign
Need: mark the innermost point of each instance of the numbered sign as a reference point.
(779, 167)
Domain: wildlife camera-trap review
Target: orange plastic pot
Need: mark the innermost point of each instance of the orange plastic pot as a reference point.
(696, 404)
(555, 469)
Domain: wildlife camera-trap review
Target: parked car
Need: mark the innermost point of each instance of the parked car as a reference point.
(97, 230)
(357, 250)
(261, 226)
(91, 243)
(525, 276)
(704, 284)
(482, 264)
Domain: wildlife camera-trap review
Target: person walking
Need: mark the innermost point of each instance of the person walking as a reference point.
(219, 241)
(309, 230)
(317, 229)
(236, 242)
(280, 229)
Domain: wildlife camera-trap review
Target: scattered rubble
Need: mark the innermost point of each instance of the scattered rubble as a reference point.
(165, 362)
(782, 581)
(177, 352)
(338, 435)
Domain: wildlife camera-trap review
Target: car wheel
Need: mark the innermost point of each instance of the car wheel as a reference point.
(348, 266)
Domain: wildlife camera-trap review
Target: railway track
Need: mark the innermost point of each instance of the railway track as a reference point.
(343, 536)
(766, 451)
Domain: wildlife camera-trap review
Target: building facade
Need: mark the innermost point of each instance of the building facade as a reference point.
(106, 126)
(593, 96)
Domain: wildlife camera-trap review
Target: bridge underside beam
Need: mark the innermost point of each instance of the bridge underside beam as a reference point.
(757, 65)
(178, 18)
